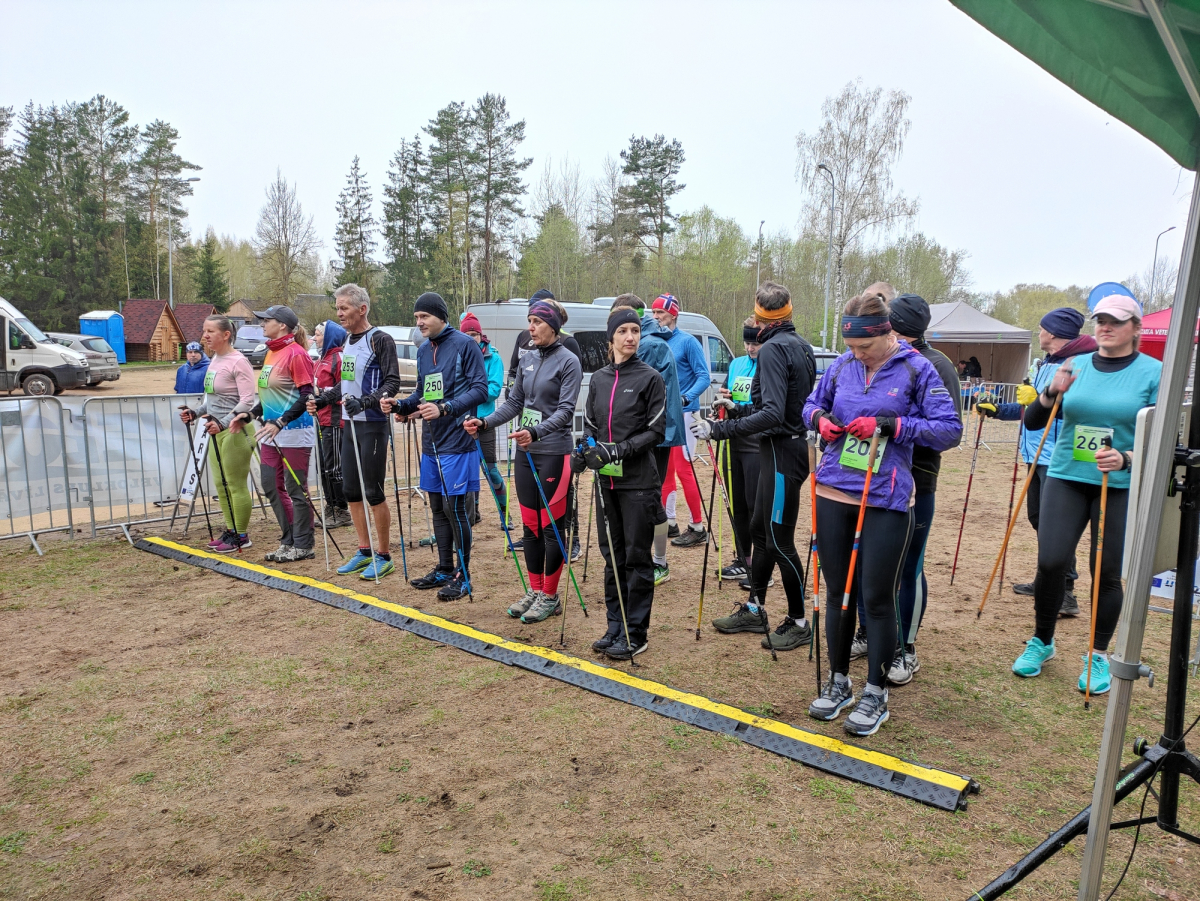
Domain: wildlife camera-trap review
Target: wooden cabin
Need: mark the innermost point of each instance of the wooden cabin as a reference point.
(152, 333)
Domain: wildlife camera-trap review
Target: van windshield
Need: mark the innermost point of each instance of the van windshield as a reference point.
(34, 332)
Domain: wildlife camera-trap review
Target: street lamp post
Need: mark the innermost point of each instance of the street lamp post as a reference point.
(829, 261)
(758, 283)
(170, 242)
(1154, 267)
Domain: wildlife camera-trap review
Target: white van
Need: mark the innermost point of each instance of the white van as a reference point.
(586, 323)
(33, 362)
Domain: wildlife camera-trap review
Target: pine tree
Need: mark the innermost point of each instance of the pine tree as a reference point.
(157, 182)
(453, 178)
(500, 186)
(209, 274)
(653, 164)
(355, 237)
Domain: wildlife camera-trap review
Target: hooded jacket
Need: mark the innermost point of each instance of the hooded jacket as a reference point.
(908, 387)
(691, 366)
(189, 379)
(495, 377)
(626, 405)
(459, 362)
(328, 370)
(654, 351)
(543, 396)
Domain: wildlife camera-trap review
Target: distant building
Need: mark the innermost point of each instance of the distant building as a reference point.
(190, 317)
(241, 311)
(152, 333)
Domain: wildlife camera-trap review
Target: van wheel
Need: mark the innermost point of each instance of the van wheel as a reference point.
(39, 385)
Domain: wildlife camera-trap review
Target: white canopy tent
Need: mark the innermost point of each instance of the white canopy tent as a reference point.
(960, 332)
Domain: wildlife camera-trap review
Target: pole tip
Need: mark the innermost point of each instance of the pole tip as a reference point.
(978, 614)
(697, 633)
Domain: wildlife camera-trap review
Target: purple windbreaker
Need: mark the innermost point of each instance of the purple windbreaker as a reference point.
(907, 387)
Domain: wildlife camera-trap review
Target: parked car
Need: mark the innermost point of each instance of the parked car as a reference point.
(102, 359)
(252, 344)
(34, 363)
(408, 339)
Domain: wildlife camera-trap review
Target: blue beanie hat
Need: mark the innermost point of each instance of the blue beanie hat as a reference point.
(1065, 322)
(541, 294)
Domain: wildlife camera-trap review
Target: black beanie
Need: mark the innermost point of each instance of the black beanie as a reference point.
(432, 303)
(909, 315)
(1064, 322)
(619, 318)
(542, 294)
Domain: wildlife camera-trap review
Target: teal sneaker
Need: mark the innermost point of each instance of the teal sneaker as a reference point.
(1101, 680)
(378, 569)
(357, 563)
(1029, 664)
(662, 574)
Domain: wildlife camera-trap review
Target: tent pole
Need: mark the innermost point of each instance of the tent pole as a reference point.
(1159, 467)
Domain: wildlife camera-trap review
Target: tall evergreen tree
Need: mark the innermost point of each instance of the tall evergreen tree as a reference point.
(499, 175)
(407, 234)
(355, 237)
(209, 275)
(452, 181)
(653, 163)
(157, 181)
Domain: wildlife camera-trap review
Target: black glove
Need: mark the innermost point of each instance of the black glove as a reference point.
(578, 464)
(352, 405)
(600, 454)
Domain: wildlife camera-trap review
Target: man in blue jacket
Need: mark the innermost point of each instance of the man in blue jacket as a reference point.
(694, 377)
(451, 384)
(190, 377)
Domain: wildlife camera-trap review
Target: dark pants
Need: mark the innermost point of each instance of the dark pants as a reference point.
(1071, 506)
(773, 532)
(885, 538)
(914, 590)
(452, 517)
(743, 482)
(373, 451)
(288, 497)
(1033, 509)
(628, 516)
(331, 466)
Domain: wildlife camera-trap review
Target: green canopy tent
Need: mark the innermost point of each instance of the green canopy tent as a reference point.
(1135, 59)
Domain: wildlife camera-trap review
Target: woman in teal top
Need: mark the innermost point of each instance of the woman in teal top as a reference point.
(739, 459)
(1100, 399)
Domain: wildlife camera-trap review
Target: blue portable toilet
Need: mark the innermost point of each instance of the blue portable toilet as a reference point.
(106, 324)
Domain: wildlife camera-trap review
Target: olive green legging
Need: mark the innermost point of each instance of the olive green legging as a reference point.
(236, 449)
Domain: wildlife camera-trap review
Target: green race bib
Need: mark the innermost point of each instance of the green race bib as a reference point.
(265, 375)
(347, 369)
(434, 389)
(1088, 441)
(740, 392)
(210, 383)
(530, 418)
(856, 452)
(616, 469)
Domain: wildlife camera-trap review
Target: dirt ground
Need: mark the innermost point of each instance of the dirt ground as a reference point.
(140, 379)
(171, 733)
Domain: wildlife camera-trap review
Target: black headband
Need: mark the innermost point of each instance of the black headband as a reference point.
(750, 334)
(619, 318)
(865, 326)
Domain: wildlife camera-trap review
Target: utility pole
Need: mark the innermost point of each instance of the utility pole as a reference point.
(829, 261)
(1149, 302)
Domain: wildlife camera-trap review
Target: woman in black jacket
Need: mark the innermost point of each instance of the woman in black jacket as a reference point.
(624, 419)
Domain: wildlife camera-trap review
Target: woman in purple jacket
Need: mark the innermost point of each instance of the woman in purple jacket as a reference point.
(879, 385)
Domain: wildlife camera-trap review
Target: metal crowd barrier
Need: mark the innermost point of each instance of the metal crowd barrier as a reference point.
(35, 484)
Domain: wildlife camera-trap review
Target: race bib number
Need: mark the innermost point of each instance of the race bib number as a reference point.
(265, 375)
(434, 389)
(1088, 440)
(210, 383)
(530, 418)
(740, 392)
(856, 452)
(348, 369)
(616, 469)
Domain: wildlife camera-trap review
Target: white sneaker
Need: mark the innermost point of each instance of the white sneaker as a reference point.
(858, 647)
(901, 672)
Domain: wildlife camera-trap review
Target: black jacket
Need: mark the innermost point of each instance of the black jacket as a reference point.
(926, 462)
(627, 406)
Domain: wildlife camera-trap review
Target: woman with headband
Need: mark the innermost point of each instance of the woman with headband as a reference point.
(543, 400)
(879, 386)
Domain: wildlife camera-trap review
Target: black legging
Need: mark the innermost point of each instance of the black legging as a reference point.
(373, 450)
(331, 466)
(885, 538)
(452, 516)
(743, 467)
(1068, 507)
(543, 557)
(630, 518)
(773, 532)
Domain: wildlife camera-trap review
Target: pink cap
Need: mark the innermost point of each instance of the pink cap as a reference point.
(1118, 307)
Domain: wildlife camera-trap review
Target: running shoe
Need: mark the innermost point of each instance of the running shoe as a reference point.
(858, 647)
(741, 620)
(902, 669)
(835, 697)
(518, 607)
(224, 538)
(435, 578)
(788, 636)
(661, 574)
(519, 544)
(735, 570)
(378, 569)
(234, 542)
(1024, 589)
(673, 530)
(1070, 606)
(619, 650)
(1101, 680)
(869, 715)
(745, 583)
(693, 537)
(576, 550)
(456, 588)
(340, 519)
(278, 556)
(300, 553)
(356, 564)
(546, 606)
(1029, 664)
(605, 642)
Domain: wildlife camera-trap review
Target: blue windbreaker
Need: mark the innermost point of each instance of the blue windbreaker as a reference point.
(459, 361)
(190, 379)
(694, 375)
(654, 351)
(494, 368)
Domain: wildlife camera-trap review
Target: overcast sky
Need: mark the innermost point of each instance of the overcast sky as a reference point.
(1036, 184)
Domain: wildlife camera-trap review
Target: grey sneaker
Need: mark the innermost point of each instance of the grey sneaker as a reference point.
(858, 647)
(904, 667)
(298, 553)
(835, 697)
(544, 607)
(869, 715)
(1070, 606)
(280, 554)
(691, 537)
(519, 607)
(735, 570)
(788, 636)
(741, 620)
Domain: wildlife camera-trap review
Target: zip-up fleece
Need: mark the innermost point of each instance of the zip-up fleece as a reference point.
(548, 381)
(626, 405)
(907, 386)
(464, 387)
(654, 350)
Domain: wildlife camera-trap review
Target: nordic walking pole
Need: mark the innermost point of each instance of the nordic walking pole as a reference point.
(396, 488)
(199, 479)
(712, 496)
(814, 554)
(303, 486)
(1087, 689)
(562, 631)
(324, 501)
(553, 525)
(967, 499)
(612, 557)
(1012, 492)
(587, 547)
(237, 536)
(503, 522)
(366, 506)
(458, 539)
(432, 539)
(862, 513)
(1012, 520)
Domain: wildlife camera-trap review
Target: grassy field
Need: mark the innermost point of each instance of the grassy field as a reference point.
(170, 733)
